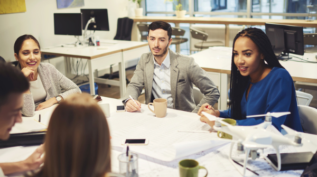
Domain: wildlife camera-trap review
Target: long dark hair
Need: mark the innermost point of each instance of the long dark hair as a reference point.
(239, 83)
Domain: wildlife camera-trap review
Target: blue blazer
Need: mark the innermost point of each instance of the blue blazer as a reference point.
(274, 93)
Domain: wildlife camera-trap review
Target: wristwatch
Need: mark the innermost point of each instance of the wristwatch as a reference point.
(58, 98)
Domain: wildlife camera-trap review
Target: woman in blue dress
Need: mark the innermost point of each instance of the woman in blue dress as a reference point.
(258, 84)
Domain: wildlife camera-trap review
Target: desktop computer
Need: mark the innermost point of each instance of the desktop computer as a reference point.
(68, 24)
(94, 19)
(285, 39)
(101, 19)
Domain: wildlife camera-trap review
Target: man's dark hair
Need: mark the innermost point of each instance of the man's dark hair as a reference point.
(12, 81)
(161, 25)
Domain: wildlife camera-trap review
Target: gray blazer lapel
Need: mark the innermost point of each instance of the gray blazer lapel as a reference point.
(174, 74)
(46, 81)
(149, 70)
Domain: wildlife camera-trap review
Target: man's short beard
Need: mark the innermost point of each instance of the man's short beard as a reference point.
(163, 52)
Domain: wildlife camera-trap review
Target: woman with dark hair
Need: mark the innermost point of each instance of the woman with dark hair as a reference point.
(258, 84)
(47, 85)
(77, 142)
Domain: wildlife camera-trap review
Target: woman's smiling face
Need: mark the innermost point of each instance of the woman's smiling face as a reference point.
(29, 55)
(247, 57)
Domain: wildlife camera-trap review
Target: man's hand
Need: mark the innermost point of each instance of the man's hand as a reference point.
(48, 103)
(130, 106)
(206, 120)
(31, 163)
(35, 160)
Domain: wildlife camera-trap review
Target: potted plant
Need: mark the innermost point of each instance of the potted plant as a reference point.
(138, 10)
(180, 13)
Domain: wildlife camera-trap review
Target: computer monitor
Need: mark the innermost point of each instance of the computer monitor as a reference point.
(285, 39)
(68, 24)
(101, 19)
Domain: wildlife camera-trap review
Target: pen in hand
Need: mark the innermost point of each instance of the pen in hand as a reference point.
(135, 102)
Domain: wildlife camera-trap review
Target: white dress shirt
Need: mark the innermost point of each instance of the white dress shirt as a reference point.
(161, 87)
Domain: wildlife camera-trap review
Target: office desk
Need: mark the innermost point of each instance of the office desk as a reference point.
(226, 22)
(114, 50)
(218, 59)
(163, 129)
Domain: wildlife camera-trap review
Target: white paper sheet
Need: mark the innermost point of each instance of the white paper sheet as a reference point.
(27, 125)
(45, 114)
(162, 133)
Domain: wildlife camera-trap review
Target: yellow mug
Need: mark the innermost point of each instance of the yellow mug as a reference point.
(223, 134)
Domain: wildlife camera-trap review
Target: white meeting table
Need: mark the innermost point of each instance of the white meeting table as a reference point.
(160, 133)
(218, 60)
(114, 50)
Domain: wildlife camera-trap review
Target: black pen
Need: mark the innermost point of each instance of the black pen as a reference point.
(245, 167)
(39, 117)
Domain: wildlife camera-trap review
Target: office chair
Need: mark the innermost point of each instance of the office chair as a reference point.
(178, 38)
(197, 95)
(205, 44)
(15, 63)
(303, 98)
(310, 39)
(124, 29)
(2, 59)
(144, 31)
(308, 118)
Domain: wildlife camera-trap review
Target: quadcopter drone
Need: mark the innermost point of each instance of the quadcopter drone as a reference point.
(252, 138)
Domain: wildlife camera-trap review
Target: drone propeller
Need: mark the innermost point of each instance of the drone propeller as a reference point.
(289, 130)
(273, 114)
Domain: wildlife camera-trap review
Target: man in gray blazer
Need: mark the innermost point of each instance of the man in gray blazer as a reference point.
(165, 74)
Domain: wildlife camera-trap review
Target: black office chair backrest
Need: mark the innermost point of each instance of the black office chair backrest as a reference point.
(310, 39)
(15, 63)
(144, 30)
(2, 59)
(197, 34)
(124, 29)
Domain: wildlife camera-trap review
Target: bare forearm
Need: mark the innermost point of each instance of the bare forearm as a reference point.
(14, 167)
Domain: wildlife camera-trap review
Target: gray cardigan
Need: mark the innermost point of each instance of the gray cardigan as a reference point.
(184, 73)
(54, 82)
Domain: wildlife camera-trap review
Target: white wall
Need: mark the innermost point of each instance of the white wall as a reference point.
(38, 20)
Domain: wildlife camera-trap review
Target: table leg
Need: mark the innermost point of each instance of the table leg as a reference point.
(227, 32)
(122, 77)
(223, 91)
(67, 66)
(91, 79)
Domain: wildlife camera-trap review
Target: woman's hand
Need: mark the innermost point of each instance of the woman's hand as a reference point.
(206, 120)
(28, 73)
(48, 103)
(209, 109)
